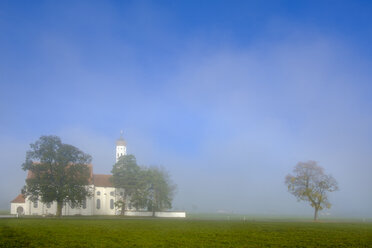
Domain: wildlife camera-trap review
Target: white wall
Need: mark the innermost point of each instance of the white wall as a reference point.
(106, 194)
(137, 213)
(105, 209)
(43, 209)
(14, 206)
(171, 214)
(157, 214)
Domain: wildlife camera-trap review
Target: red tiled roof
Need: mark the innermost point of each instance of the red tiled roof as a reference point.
(19, 199)
(101, 180)
(30, 174)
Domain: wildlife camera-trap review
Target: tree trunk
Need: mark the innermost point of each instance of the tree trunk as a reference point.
(122, 212)
(316, 214)
(59, 209)
(123, 206)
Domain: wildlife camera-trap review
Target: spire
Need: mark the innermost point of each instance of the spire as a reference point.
(121, 141)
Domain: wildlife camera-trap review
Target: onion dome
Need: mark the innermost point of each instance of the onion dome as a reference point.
(121, 141)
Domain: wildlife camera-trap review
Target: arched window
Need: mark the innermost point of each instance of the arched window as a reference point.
(20, 210)
(84, 204)
(98, 193)
(35, 204)
(112, 203)
(98, 205)
(48, 205)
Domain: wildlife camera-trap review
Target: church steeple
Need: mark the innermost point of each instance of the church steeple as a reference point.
(121, 147)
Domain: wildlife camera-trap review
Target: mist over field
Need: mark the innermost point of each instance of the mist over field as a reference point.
(228, 97)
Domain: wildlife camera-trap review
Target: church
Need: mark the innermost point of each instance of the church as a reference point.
(102, 202)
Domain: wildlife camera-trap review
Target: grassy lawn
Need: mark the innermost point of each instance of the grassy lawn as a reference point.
(119, 232)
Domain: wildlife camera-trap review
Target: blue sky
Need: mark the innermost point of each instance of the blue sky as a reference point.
(227, 95)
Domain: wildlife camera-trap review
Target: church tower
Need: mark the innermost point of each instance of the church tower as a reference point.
(121, 147)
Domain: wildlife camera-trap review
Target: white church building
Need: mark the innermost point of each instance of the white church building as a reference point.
(102, 202)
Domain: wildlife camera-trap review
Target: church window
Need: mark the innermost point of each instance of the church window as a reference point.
(112, 193)
(48, 205)
(20, 210)
(112, 203)
(35, 204)
(84, 204)
(98, 193)
(98, 204)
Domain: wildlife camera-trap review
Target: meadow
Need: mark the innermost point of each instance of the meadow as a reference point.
(149, 232)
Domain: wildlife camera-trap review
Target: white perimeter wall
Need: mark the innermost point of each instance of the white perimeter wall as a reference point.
(137, 213)
(171, 214)
(157, 214)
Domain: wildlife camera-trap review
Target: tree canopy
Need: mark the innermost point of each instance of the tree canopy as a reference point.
(160, 189)
(126, 175)
(309, 183)
(57, 172)
(145, 188)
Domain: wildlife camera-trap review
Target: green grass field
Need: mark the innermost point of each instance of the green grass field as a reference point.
(133, 232)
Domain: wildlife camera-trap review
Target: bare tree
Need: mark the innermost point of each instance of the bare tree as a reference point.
(309, 183)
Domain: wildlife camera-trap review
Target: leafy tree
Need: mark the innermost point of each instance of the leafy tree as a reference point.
(140, 196)
(145, 188)
(120, 204)
(309, 183)
(126, 175)
(57, 172)
(160, 189)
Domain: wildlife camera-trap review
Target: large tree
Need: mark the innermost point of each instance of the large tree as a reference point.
(126, 176)
(145, 188)
(160, 189)
(57, 172)
(309, 183)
